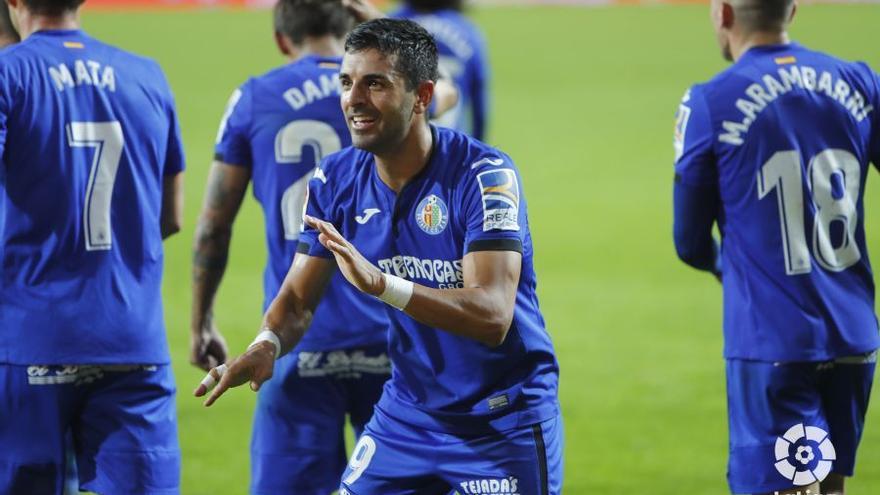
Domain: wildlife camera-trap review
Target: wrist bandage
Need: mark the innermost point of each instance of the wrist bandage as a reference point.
(397, 292)
(267, 335)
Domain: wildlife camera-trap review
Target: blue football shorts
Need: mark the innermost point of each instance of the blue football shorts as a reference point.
(298, 441)
(119, 420)
(792, 424)
(393, 458)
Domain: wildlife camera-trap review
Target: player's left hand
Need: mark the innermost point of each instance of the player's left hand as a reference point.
(207, 347)
(254, 366)
(356, 269)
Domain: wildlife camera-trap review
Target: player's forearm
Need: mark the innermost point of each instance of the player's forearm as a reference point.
(695, 214)
(480, 314)
(223, 197)
(288, 317)
(171, 217)
(210, 255)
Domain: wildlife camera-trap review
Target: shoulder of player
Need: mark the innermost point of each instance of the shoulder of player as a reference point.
(286, 72)
(470, 156)
(701, 97)
(127, 59)
(137, 67)
(291, 75)
(294, 73)
(21, 54)
(13, 51)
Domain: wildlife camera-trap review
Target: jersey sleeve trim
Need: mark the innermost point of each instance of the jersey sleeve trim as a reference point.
(313, 249)
(495, 245)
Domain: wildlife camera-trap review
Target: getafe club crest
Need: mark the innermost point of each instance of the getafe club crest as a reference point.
(432, 215)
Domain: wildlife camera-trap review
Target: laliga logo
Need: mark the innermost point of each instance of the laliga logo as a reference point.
(804, 455)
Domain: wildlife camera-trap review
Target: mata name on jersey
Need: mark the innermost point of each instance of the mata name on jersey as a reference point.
(84, 73)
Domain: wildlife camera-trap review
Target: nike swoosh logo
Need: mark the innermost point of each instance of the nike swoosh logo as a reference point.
(490, 161)
(368, 214)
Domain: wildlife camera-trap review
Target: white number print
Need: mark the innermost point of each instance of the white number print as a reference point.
(289, 144)
(108, 140)
(829, 209)
(360, 459)
(783, 172)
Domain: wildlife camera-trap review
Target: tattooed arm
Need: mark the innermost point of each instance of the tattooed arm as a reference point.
(227, 185)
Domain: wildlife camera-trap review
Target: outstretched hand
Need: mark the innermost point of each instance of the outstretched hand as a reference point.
(354, 267)
(254, 366)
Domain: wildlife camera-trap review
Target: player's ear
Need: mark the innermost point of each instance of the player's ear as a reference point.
(283, 44)
(727, 15)
(424, 94)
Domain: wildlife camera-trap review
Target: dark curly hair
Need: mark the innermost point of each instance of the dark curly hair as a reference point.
(413, 48)
(52, 7)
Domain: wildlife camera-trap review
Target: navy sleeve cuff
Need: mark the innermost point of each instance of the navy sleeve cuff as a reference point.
(495, 245)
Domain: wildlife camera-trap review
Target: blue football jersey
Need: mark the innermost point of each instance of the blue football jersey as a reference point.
(87, 134)
(787, 134)
(279, 126)
(464, 56)
(468, 198)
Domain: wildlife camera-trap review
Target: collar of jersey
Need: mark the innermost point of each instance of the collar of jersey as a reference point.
(762, 49)
(316, 59)
(419, 176)
(58, 32)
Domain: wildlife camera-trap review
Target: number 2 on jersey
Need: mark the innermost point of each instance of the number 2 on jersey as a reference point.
(289, 144)
(107, 139)
(783, 172)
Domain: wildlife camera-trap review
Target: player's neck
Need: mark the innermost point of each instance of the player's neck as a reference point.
(751, 40)
(322, 46)
(397, 168)
(29, 24)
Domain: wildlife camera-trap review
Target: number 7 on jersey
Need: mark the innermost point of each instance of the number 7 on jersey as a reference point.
(107, 139)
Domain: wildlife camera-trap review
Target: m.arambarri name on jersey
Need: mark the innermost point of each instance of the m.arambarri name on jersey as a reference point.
(759, 96)
(85, 72)
(448, 274)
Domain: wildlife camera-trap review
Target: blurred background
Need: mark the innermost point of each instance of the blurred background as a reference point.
(583, 95)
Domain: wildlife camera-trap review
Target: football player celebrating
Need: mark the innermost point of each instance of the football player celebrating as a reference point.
(433, 223)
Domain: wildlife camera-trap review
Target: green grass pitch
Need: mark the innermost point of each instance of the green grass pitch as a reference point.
(583, 99)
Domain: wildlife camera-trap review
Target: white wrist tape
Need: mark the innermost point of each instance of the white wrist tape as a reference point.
(398, 291)
(268, 336)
